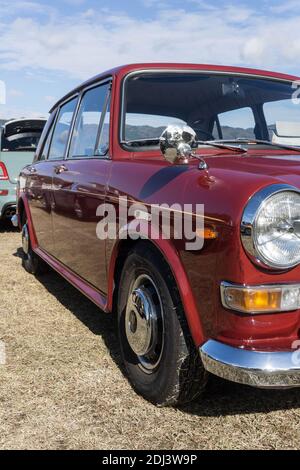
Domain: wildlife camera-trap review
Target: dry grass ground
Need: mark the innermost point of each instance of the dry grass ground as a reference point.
(63, 386)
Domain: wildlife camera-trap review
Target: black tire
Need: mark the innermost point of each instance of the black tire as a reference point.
(30, 261)
(178, 375)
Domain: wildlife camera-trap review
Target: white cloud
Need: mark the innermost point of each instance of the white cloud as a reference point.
(50, 99)
(9, 8)
(7, 112)
(238, 15)
(286, 7)
(89, 13)
(13, 92)
(75, 2)
(84, 44)
(155, 4)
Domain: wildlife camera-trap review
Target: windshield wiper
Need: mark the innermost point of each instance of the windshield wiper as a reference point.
(221, 145)
(155, 141)
(260, 142)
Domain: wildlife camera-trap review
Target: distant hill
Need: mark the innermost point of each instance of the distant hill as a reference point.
(237, 132)
(148, 132)
(143, 132)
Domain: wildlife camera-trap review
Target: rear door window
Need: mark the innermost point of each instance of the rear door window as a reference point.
(44, 152)
(62, 130)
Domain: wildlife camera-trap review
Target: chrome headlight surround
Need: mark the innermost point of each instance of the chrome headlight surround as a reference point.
(248, 225)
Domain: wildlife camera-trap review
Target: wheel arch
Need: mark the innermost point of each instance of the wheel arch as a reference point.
(167, 251)
(23, 208)
(21, 211)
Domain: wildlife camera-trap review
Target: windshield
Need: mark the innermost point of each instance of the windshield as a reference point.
(217, 107)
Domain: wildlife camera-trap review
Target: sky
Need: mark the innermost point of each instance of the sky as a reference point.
(47, 48)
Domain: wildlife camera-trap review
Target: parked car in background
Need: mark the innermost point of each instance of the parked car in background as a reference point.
(18, 140)
(153, 134)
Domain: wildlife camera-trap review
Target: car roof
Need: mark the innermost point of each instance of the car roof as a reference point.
(125, 69)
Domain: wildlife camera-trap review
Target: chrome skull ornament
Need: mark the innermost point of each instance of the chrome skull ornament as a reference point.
(176, 143)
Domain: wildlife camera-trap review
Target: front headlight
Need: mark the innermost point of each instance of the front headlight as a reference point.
(270, 228)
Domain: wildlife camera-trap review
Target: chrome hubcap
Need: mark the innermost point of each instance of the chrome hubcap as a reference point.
(141, 324)
(144, 322)
(25, 239)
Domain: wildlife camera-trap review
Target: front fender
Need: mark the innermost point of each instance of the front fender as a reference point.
(172, 257)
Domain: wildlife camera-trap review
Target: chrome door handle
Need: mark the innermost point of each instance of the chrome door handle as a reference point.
(60, 169)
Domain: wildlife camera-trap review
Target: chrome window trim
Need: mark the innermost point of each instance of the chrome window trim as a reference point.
(51, 130)
(72, 125)
(193, 71)
(37, 157)
(93, 157)
(107, 105)
(248, 221)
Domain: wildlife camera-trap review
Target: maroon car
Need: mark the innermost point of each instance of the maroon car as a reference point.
(170, 194)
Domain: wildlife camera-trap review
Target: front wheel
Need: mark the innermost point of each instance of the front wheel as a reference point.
(161, 360)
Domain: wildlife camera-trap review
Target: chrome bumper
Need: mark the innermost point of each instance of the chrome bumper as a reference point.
(258, 369)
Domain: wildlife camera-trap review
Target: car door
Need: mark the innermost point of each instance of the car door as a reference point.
(80, 187)
(38, 189)
(57, 151)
